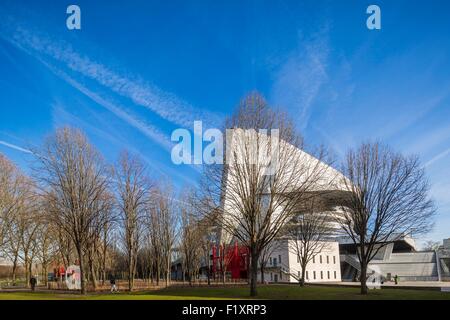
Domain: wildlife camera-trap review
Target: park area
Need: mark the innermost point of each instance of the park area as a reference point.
(276, 292)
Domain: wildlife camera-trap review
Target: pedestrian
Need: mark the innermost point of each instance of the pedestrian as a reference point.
(396, 279)
(112, 281)
(33, 282)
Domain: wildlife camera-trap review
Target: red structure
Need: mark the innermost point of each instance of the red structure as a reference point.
(231, 259)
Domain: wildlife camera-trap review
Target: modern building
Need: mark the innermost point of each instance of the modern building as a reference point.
(398, 257)
(282, 265)
(338, 260)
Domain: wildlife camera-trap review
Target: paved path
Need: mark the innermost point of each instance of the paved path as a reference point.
(402, 284)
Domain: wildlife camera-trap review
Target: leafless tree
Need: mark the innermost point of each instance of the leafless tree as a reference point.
(164, 221)
(191, 236)
(388, 200)
(133, 187)
(153, 241)
(47, 247)
(266, 253)
(74, 179)
(431, 245)
(309, 231)
(17, 213)
(264, 176)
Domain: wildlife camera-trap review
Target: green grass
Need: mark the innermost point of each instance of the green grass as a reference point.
(281, 292)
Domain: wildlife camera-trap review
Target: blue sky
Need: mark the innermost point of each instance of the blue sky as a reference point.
(137, 70)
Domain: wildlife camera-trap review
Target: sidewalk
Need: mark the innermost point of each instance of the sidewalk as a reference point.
(433, 285)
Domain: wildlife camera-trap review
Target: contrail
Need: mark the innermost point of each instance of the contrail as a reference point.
(13, 146)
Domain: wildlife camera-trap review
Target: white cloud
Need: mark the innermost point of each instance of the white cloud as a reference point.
(299, 80)
(165, 104)
(148, 130)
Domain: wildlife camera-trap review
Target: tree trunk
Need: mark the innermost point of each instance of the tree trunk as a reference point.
(44, 273)
(363, 278)
(262, 272)
(14, 271)
(130, 274)
(253, 271)
(158, 275)
(208, 273)
(168, 272)
(81, 262)
(93, 277)
(27, 271)
(302, 279)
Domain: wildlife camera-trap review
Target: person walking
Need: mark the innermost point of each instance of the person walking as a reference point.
(33, 282)
(112, 281)
(396, 279)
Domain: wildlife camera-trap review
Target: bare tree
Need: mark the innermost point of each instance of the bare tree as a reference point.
(73, 179)
(388, 200)
(266, 253)
(431, 245)
(132, 187)
(164, 223)
(264, 176)
(191, 236)
(17, 227)
(309, 232)
(47, 248)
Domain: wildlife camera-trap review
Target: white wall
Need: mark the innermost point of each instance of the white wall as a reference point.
(325, 271)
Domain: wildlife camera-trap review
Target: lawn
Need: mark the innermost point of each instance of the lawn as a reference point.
(281, 292)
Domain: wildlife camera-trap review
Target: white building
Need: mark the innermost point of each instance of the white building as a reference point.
(338, 260)
(283, 264)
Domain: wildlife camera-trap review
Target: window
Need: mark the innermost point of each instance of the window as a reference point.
(279, 259)
(328, 275)
(314, 259)
(334, 259)
(271, 276)
(320, 258)
(270, 260)
(328, 259)
(314, 275)
(335, 275)
(307, 277)
(321, 274)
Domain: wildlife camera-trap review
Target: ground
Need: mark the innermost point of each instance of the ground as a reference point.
(281, 292)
